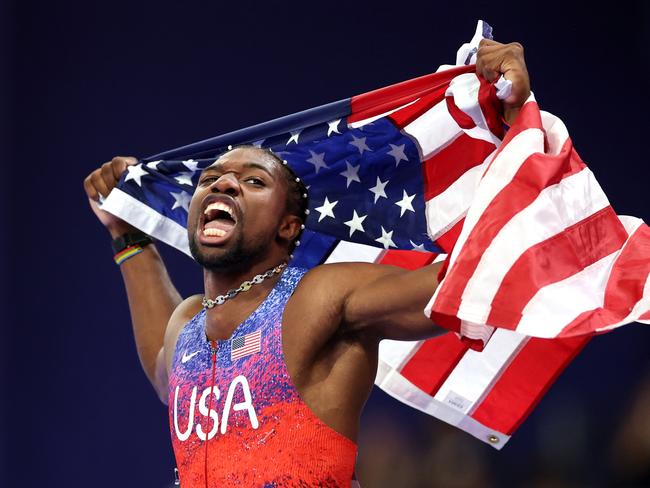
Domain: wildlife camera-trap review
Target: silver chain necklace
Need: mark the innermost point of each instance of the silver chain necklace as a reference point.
(245, 286)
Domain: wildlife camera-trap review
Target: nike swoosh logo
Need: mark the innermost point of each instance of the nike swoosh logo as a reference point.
(187, 357)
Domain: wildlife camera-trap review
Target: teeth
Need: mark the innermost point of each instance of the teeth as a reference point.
(218, 206)
(214, 232)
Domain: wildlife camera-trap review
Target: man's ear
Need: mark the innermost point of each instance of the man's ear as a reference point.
(289, 227)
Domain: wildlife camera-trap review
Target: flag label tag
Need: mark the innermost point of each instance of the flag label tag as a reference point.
(458, 402)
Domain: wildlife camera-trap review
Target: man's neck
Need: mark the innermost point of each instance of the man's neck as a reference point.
(219, 282)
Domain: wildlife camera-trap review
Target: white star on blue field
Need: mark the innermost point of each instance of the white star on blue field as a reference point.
(365, 184)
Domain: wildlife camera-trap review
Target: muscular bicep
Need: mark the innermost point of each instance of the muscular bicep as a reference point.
(389, 302)
(161, 376)
(182, 314)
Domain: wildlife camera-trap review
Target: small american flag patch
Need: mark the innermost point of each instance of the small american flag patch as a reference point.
(245, 345)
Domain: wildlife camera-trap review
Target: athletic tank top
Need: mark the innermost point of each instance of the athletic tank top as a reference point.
(235, 416)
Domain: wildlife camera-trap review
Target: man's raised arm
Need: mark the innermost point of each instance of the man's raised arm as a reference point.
(374, 300)
(151, 293)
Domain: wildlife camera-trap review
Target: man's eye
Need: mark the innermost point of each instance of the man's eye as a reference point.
(208, 179)
(255, 181)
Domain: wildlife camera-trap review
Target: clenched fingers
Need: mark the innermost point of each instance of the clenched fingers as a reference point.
(104, 179)
(495, 59)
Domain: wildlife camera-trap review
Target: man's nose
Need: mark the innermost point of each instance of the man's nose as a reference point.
(227, 183)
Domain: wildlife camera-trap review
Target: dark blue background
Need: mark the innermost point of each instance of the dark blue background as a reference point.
(84, 81)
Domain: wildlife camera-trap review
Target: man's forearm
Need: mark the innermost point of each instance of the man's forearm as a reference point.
(151, 293)
(152, 299)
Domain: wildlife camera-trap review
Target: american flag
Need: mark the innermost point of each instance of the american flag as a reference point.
(245, 345)
(542, 252)
(418, 172)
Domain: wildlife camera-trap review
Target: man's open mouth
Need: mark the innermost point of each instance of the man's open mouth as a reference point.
(218, 219)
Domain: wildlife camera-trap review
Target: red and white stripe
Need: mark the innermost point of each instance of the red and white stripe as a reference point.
(487, 394)
(454, 119)
(541, 250)
(534, 247)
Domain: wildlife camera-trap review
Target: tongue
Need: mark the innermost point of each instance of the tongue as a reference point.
(223, 224)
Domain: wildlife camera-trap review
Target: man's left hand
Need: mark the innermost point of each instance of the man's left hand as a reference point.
(494, 59)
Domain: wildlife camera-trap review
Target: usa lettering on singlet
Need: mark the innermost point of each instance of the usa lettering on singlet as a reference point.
(235, 416)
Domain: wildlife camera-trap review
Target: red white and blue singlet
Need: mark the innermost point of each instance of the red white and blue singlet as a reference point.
(236, 418)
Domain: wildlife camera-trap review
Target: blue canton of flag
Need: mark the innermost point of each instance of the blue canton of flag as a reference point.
(365, 182)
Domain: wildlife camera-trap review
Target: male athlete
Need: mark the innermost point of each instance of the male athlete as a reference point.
(266, 374)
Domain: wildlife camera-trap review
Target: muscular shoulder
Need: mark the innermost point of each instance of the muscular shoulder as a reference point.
(339, 279)
(185, 310)
(324, 289)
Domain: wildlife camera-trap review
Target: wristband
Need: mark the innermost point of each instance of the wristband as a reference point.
(130, 239)
(127, 253)
(128, 245)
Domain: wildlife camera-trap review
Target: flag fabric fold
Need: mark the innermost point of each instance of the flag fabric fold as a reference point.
(415, 173)
(542, 252)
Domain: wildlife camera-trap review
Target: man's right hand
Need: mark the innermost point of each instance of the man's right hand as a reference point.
(101, 182)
